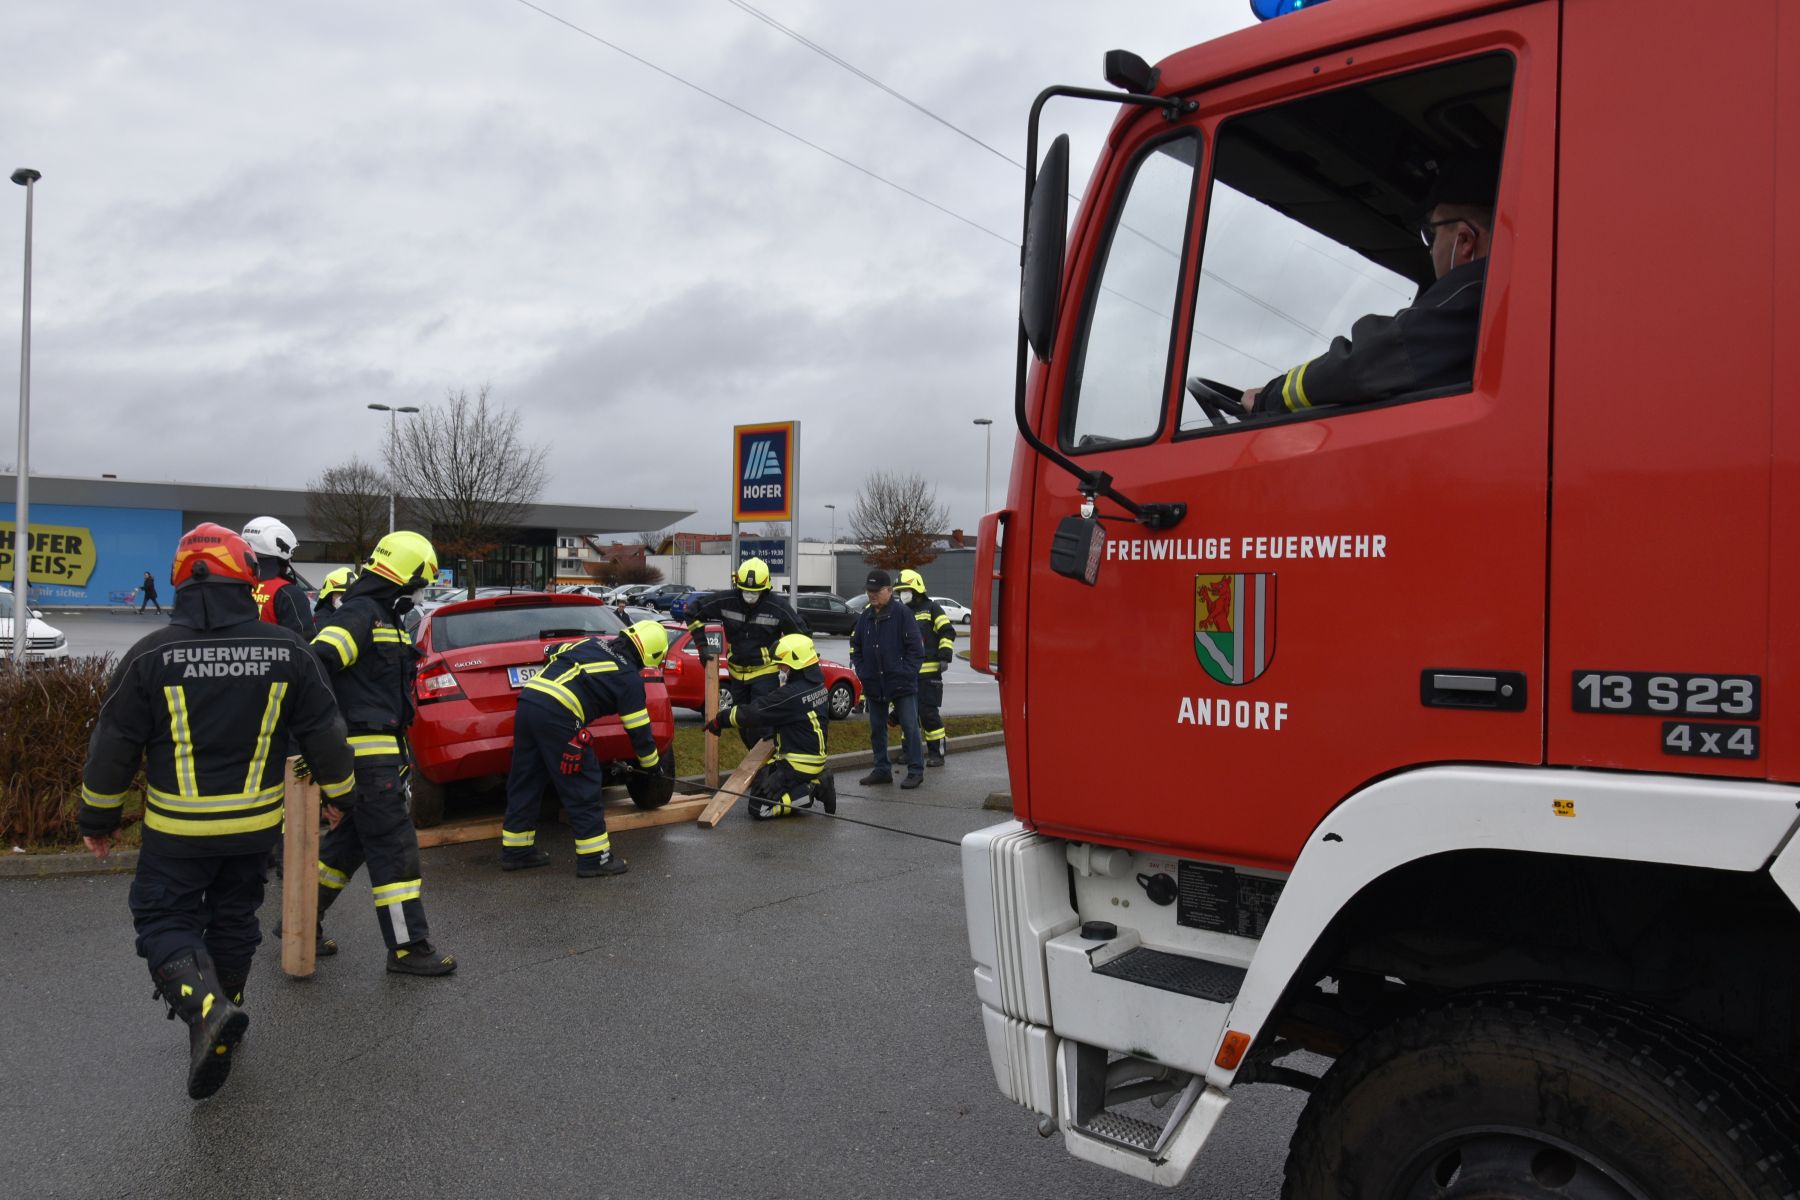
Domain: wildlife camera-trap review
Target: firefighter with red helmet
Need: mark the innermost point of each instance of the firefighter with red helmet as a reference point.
(582, 682)
(754, 619)
(280, 593)
(795, 714)
(205, 707)
(371, 662)
(939, 636)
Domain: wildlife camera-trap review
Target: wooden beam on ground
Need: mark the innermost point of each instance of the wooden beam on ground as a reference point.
(711, 710)
(737, 784)
(299, 875)
(621, 815)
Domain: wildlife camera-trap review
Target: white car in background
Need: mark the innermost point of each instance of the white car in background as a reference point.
(42, 642)
(959, 614)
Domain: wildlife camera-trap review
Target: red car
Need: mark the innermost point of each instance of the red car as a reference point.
(476, 654)
(687, 685)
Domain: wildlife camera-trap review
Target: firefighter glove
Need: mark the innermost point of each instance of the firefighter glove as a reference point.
(719, 722)
(574, 752)
(945, 654)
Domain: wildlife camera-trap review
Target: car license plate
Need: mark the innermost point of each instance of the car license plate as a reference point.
(518, 675)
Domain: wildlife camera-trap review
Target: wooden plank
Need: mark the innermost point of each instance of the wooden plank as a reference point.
(299, 875)
(712, 710)
(738, 783)
(621, 815)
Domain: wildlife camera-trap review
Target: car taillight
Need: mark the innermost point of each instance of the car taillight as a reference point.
(437, 683)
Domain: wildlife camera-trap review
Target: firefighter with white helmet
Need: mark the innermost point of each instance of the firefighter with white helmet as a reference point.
(280, 592)
(795, 713)
(754, 619)
(583, 681)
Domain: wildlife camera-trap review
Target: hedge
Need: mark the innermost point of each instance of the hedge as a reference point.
(46, 715)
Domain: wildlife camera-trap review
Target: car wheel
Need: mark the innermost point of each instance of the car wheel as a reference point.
(424, 799)
(843, 700)
(653, 789)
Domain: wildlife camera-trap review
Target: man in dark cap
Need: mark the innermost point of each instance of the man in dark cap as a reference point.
(1430, 344)
(886, 650)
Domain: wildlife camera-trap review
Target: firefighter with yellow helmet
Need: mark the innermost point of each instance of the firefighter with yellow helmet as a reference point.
(754, 619)
(370, 658)
(583, 681)
(331, 592)
(205, 707)
(795, 713)
(939, 636)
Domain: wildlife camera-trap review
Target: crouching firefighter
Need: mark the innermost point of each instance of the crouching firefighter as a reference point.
(754, 619)
(206, 706)
(371, 662)
(582, 682)
(795, 715)
(939, 636)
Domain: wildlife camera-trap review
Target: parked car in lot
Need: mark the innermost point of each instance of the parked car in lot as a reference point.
(634, 613)
(959, 613)
(664, 597)
(475, 656)
(826, 613)
(629, 591)
(686, 683)
(42, 642)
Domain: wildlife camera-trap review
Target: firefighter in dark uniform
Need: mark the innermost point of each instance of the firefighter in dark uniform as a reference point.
(795, 714)
(206, 706)
(939, 636)
(331, 592)
(1427, 346)
(582, 682)
(754, 619)
(280, 593)
(371, 661)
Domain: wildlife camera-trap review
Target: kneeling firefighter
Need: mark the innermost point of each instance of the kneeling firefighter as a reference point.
(206, 706)
(754, 619)
(370, 658)
(939, 636)
(582, 682)
(795, 714)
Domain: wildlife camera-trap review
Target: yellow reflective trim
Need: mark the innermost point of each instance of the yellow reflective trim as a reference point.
(333, 791)
(94, 799)
(635, 720)
(222, 802)
(756, 672)
(382, 633)
(509, 838)
(165, 824)
(374, 739)
(561, 694)
(1300, 385)
(649, 760)
(593, 845)
(394, 893)
(265, 732)
(331, 877)
(183, 737)
(599, 668)
(339, 639)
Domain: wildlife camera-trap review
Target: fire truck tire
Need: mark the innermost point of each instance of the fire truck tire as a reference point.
(1543, 1091)
(424, 799)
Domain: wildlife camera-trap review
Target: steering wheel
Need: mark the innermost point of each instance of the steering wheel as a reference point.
(1217, 400)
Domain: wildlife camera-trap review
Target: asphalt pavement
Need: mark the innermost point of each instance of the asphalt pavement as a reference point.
(776, 1009)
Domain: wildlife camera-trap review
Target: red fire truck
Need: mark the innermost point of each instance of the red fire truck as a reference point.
(1437, 732)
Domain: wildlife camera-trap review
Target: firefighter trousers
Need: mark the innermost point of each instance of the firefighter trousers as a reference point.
(378, 830)
(779, 788)
(931, 703)
(745, 691)
(540, 735)
(185, 904)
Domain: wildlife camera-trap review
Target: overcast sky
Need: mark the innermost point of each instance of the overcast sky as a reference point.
(257, 219)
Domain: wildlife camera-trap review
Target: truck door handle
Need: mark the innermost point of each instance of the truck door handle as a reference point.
(1452, 687)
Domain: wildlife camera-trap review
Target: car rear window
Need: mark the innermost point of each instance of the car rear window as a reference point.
(485, 626)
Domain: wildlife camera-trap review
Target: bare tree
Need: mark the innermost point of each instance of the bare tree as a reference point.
(466, 475)
(774, 529)
(348, 506)
(630, 570)
(653, 541)
(897, 519)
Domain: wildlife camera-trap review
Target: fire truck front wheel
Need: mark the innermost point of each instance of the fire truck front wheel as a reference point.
(1541, 1092)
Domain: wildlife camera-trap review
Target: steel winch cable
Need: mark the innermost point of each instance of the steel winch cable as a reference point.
(813, 810)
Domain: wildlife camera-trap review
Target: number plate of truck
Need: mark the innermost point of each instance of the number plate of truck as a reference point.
(1668, 694)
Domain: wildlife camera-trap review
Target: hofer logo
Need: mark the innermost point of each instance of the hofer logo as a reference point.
(763, 458)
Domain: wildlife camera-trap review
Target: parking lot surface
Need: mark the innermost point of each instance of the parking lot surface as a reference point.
(777, 1009)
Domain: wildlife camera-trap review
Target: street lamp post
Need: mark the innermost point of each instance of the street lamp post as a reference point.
(833, 509)
(393, 433)
(21, 620)
(987, 469)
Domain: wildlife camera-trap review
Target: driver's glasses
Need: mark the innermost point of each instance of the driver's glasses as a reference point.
(1428, 230)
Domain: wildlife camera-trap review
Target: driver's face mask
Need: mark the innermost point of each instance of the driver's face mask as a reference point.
(906, 595)
(783, 676)
(749, 596)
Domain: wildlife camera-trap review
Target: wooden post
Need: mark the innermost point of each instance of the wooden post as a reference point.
(735, 786)
(711, 667)
(300, 876)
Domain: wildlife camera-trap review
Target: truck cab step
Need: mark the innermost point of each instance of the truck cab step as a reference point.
(1217, 982)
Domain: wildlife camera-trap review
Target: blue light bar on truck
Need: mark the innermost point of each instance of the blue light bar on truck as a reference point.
(1267, 10)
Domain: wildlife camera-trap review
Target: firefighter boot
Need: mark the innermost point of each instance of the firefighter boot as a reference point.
(420, 958)
(525, 861)
(934, 753)
(826, 790)
(323, 947)
(232, 979)
(190, 987)
(591, 866)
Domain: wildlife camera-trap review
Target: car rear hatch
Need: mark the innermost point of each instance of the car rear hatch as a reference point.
(491, 646)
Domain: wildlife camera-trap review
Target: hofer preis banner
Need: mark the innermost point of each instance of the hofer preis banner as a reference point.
(762, 459)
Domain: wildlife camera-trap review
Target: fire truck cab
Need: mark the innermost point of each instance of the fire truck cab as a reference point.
(1436, 730)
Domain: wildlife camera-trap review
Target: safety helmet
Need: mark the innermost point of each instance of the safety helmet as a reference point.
(270, 538)
(910, 578)
(753, 575)
(210, 553)
(796, 652)
(405, 558)
(336, 582)
(651, 640)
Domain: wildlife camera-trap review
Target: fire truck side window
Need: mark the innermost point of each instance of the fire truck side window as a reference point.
(1317, 233)
(1118, 379)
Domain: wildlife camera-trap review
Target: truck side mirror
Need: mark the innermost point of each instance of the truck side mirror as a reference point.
(1076, 549)
(1046, 237)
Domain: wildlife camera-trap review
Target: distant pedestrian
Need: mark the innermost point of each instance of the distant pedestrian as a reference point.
(886, 650)
(149, 593)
